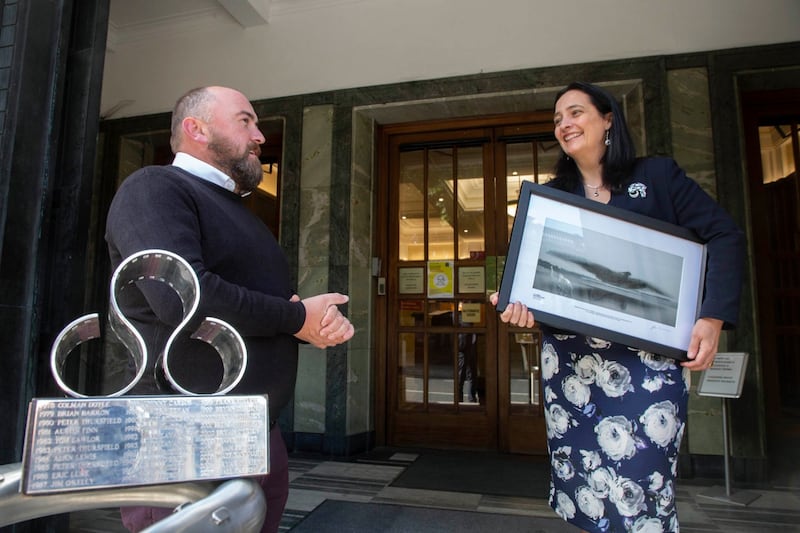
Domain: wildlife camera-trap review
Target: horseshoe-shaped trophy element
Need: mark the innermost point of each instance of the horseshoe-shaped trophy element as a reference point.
(169, 268)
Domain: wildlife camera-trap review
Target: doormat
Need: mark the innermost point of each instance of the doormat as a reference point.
(357, 517)
(478, 472)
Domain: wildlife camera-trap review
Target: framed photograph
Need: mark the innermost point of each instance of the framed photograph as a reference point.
(605, 272)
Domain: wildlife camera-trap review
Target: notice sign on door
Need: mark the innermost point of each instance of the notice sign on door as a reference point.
(411, 280)
(725, 377)
(440, 279)
(471, 313)
(472, 280)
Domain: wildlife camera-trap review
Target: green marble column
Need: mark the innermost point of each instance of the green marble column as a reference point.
(693, 149)
(313, 259)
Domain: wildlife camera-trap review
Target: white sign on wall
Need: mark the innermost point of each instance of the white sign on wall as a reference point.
(725, 377)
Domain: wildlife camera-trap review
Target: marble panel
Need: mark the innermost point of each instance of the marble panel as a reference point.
(360, 401)
(693, 149)
(314, 231)
(315, 198)
(312, 281)
(363, 154)
(316, 151)
(690, 117)
(704, 424)
(633, 107)
(359, 390)
(336, 390)
(359, 308)
(309, 394)
(360, 226)
(338, 278)
(340, 225)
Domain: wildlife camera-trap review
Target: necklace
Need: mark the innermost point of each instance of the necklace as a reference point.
(595, 189)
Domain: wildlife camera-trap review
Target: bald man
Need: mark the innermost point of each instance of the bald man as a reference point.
(194, 208)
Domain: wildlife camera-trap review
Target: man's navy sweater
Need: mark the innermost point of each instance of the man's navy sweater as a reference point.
(243, 272)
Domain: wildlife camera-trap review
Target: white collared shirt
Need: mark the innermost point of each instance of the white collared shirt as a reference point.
(203, 170)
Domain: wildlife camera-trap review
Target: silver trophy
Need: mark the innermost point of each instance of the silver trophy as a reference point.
(168, 450)
(173, 270)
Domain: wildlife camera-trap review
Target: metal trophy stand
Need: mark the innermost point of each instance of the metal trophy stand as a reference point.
(171, 450)
(724, 380)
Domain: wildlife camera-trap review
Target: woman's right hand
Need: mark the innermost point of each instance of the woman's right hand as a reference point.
(516, 314)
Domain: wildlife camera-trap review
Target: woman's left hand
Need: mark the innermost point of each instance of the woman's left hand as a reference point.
(516, 314)
(703, 344)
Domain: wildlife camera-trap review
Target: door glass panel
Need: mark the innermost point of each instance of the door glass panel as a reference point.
(471, 361)
(441, 353)
(523, 351)
(777, 155)
(471, 368)
(470, 207)
(411, 368)
(412, 313)
(528, 161)
(441, 212)
(441, 313)
(411, 206)
(519, 167)
(440, 368)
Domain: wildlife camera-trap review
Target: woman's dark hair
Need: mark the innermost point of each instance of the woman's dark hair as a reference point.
(620, 155)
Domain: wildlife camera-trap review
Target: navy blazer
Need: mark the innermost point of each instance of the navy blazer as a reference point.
(659, 188)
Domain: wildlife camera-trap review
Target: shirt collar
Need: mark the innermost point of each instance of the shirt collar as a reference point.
(203, 170)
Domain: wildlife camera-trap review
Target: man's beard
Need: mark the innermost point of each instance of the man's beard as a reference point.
(246, 173)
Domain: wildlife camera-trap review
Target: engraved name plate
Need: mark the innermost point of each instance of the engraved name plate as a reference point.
(86, 443)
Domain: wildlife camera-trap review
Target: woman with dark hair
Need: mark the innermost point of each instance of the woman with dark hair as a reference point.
(618, 156)
(616, 414)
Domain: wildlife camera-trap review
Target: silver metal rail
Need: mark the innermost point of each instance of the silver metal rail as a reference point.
(236, 505)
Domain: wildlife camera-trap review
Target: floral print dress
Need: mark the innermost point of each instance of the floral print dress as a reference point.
(615, 417)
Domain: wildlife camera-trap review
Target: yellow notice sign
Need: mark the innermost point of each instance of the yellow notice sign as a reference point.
(440, 279)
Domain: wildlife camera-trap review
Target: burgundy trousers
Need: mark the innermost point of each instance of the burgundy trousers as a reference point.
(275, 487)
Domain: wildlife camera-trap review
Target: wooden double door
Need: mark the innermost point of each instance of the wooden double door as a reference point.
(454, 376)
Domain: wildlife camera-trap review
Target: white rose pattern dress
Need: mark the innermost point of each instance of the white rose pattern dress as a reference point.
(615, 418)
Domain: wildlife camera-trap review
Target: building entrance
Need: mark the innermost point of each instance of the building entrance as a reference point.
(456, 377)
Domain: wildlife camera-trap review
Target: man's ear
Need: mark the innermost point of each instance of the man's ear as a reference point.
(195, 129)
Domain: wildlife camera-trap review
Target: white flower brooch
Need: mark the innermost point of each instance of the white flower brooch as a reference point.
(637, 190)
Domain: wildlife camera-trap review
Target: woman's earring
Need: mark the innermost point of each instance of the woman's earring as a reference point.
(607, 141)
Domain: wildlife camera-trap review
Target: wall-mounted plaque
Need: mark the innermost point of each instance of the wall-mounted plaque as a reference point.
(78, 444)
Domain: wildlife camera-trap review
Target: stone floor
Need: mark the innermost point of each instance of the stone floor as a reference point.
(702, 507)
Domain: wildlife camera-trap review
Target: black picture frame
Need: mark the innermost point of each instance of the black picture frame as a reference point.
(605, 272)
